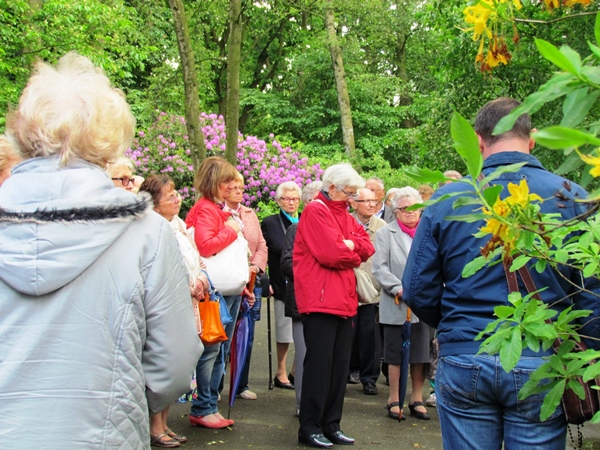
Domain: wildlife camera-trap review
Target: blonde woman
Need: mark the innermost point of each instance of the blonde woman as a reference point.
(92, 286)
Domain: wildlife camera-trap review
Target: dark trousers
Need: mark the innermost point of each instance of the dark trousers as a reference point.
(365, 348)
(328, 340)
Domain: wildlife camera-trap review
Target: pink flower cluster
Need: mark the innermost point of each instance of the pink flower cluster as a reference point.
(164, 147)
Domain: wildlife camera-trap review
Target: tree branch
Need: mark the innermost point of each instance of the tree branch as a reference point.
(558, 19)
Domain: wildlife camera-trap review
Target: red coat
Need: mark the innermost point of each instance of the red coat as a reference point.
(323, 275)
(210, 233)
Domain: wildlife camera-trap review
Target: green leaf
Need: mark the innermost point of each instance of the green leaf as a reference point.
(540, 265)
(464, 201)
(577, 388)
(510, 353)
(595, 49)
(503, 311)
(577, 105)
(500, 171)
(591, 74)
(467, 217)
(552, 400)
(572, 56)
(425, 175)
(557, 137)
(597, 29)
(474, 266)
(557, 57)
(466, 144)
(519, 262)
(491, 194)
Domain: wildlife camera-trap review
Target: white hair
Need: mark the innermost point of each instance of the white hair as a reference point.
(405, 192)
(310, 190)
(71, 110)
(287, 186)
(342, 175)
(120, 165)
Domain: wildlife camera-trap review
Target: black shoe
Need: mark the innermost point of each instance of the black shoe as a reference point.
(340, 438)
(369, 389)
(418, 414)
(354, 377)
(291, 378)
(315, 440)
(282, 385)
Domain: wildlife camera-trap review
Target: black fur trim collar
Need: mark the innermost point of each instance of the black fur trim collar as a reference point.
(137, 208)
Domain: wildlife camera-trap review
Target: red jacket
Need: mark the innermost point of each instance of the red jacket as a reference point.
(323, 275)
(210, 233)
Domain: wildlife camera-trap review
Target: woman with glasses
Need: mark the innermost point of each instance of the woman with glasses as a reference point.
(248, 222)
(167, 203)
(392, 244)
(121, 173)
(214, 230)
(274, 229)
(329, 244)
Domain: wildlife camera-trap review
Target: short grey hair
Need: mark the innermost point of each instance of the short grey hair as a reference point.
(379, 180)
(405, 192)
(287, 186)
(310, 190)
(342, 175)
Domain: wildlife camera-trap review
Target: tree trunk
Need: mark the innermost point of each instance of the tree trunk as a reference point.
(342, 89)
(190, 83)
(233, 80)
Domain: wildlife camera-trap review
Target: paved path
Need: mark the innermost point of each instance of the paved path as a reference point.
(269, 422)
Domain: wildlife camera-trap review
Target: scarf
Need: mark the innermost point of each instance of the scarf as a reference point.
(410, 231)
(290, 218)
(235, 215)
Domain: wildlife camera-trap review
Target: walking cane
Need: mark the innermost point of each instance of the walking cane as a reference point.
(269, 345)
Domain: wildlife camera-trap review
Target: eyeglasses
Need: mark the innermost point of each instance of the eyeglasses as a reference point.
(351, 194)
(290, 199)
(235, 188)
(173, 198)
(372, 202)
(124, 180)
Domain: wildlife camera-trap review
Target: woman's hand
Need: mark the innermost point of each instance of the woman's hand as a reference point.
(349, 244)
(249, 296)
(233, 225)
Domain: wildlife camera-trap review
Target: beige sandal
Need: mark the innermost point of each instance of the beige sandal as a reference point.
(159, 441)
(177, 437)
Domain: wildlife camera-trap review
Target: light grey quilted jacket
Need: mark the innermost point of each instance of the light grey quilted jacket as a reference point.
(96, 325)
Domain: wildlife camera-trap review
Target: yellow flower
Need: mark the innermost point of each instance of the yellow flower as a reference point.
(551, 4)
(575, 2)
(593, 161)
(478, 15)
(519, 194)
(517, 4)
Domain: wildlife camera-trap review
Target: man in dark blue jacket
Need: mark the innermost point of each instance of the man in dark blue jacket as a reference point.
(476, 399)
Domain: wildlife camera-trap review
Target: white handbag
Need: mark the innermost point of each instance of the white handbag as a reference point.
(364, 287)
(228, 269)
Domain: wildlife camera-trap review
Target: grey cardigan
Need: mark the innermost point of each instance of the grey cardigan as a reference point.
(391, 253)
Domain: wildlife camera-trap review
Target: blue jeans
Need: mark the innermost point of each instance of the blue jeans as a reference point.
(479, 409)
(211, 366)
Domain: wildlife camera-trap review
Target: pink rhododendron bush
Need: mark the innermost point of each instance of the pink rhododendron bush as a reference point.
(164, 148)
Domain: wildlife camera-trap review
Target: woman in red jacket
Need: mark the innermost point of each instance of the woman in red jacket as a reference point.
(213, 231)
(329, 245)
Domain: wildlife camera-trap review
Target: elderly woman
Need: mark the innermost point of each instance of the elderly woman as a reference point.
(392, 244)
(309, 192)
(274, 229)
(214, 230)
(121, 173)
(94, 298)
(248, 222)
(167, 204)
(329, 244)
(8, 159)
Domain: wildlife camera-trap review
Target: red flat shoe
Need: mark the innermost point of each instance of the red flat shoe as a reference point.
(198, 421)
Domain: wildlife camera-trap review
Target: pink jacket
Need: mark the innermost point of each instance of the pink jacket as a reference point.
(254, 236)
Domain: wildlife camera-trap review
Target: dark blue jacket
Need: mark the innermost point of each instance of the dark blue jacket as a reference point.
(461, 307)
